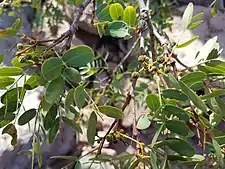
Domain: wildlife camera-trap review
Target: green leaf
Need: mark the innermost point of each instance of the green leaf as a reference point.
(111, 112)
(10, 71)
(116, 11)
(12, 95)
(184, 44)
(174, 94)
(6, 81)
(143, 122)
(187, 16)
(11, 31)
(32, 82)
(193, 77)
(16, 62)
(52, 68)
(180, 146)
(11, 130)
(2, 57)
(213, 67)
(27, 116)
(214, 93)
(220, 105)
(69, 100)
(104, 15)
(78, 56)
(179, 127)
(118, 29)
(49, 118)
(219, 154)
(198, 16)
(153, 102)
(91, 130)
(135, 163)
(193, 97)
(53, 131)
(194, 24)
(207, 48)
(176, 111)
(78, 165)
(54, 89)
(37, 150)
(72, 75)
(129, 15)
(153, 160)
(72, 124)
(170, 80)
(79, 96)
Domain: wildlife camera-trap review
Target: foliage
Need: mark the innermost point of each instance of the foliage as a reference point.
(175, 106)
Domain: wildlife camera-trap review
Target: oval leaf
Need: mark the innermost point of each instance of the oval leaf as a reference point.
(78, 56)
(118, 29)
(27, 116)
(52, 68)
(111, 112)
(10, 71)
(91, 130)
(176, 111)
(72, 124)
(179, 127)
(193, 97)
(50, 117)
(153, 102)
(11, 130)
(32, 82)
(193, 77)
(79, 96)
(69, 100)
(180, 146)
(187, 16)
(143, 122)
(54, 89)
(53, 131)
(6, 81)
(116, 11)
(174, 94)
(129, 15)
(72, 75)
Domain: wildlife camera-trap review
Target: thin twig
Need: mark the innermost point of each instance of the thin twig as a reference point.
(127, 55)
(115, 122)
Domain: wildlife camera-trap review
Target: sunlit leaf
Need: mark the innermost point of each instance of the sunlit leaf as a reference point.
(187, 16)
(116, 11)
(184, 44)
(10, 71)
(5, 81)
(129, 15)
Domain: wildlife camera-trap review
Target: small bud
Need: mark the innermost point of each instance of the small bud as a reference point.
(109, 138)
(19, 46)
(141, 58)
(167, 69)
(160, 59)
(135, 75)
